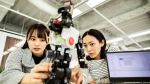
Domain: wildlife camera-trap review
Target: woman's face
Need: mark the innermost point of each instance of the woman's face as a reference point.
(92, 46)
(37, 45)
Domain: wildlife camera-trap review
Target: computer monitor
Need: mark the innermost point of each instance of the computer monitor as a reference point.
(129, 66)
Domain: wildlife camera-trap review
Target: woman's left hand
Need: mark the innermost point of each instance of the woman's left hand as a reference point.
(76, 75)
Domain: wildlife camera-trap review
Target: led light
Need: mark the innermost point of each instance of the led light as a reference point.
(147, 48)
(114, 40)
(76, 12)
(139, 34)
(93, 3)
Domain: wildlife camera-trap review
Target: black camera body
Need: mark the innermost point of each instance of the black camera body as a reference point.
(61, 73)
(66, 20)
(66, 16)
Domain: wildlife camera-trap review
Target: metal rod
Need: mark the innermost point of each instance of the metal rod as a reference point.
(27, 16)
(79, 4)
(115, 26)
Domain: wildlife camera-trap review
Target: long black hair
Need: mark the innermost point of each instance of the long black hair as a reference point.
(99, 36)
(42, 31)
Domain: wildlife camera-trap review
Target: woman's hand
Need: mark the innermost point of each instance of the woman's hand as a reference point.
(76, 76)
(38, 74)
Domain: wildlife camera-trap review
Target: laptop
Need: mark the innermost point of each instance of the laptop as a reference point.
(129, 66)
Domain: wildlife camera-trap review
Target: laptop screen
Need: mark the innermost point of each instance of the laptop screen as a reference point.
(129, 66)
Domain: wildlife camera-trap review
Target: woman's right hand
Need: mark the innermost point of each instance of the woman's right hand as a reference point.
(38, 74)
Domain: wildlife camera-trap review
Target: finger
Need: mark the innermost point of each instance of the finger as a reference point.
(80, 79)
(48, 65)
(41, 68)
(79, 76)
(37, 81)
(40, 75)
(73, 76)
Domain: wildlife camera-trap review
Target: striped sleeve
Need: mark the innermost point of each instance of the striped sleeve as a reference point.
(98, 70)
